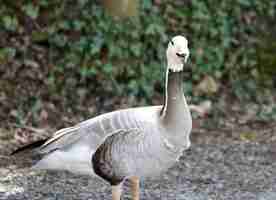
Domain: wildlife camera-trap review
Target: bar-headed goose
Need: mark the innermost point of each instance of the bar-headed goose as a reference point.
(126, 144)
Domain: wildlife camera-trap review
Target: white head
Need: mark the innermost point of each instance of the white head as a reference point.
(177, 53)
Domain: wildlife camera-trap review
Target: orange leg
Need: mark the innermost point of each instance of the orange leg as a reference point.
(116, 192)
(134, 187)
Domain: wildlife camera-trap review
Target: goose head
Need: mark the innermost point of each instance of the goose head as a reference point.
(177, 53)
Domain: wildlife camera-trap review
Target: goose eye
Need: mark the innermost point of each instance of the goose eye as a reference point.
(172, 42)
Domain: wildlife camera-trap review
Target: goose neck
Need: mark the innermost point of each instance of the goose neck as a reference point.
(175, 108)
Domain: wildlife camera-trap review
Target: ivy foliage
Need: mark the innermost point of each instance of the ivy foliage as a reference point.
(76, 44)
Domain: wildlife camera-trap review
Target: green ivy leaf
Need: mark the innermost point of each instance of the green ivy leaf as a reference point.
(10, 22)
(6, 54)
(31, 10)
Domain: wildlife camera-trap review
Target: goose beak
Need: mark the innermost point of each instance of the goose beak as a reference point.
(183, 56)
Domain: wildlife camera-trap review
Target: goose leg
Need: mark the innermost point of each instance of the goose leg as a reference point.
(135, 187)
(116, 192)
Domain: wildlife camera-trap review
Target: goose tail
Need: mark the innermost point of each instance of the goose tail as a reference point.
(29, 147)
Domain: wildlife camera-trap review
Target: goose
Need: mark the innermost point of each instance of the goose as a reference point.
(133, 143)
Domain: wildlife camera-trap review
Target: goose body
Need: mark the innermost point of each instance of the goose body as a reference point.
(137, 142)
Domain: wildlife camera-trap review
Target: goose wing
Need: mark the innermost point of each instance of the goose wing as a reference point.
(141, 152)
(91, 133)
(72, 148)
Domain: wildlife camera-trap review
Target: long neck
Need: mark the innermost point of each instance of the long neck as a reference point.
(174, 97)
(175, 114)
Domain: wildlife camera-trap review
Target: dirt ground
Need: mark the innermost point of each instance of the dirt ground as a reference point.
(222, 164)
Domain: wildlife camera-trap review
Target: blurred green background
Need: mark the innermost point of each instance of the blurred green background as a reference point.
(64, 61)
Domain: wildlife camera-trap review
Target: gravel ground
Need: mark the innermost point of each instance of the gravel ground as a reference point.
(209, 170)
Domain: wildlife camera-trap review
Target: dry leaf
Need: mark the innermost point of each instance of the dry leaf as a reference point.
(207, 86)
(202, 109)
(248, 136)
(121, 8)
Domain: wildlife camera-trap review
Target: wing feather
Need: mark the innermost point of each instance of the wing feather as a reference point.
(93, 132)
(57, 135)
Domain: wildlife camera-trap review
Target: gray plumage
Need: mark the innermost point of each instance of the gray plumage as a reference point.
(138, 142)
